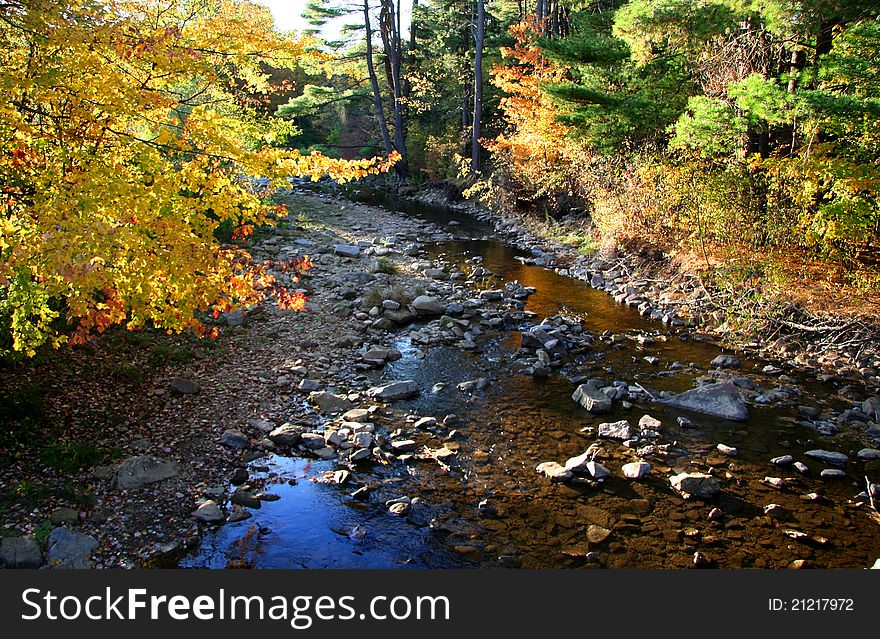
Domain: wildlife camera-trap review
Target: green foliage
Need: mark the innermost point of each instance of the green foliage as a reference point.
(710, 127)
(68, 455)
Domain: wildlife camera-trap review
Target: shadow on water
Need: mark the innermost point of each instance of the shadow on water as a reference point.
(519, 421)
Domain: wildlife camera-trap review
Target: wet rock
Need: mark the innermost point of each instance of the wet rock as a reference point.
(286, 435)
(427, 305)
(725, 361)
(782, 460)
(827, 456)
(245, 498)
(721, 399)
(650, 423)
(234, 439)
(239, 476)
(868, 454)
(597, 534)
(137, 472)
(615, 430)
(695, 484)
(209, 512)
(801, 468)
(596, 470)
(592, 399)
(20, 552)
(774, 510)
(636, 470)
(776, 482)
(554, 471)
(394, 391)
(358, 415)
(730, 451)
(832, 473)
(183, 386)
(309, 385)
(70, 549)
(329, 403)
(871, 408)
(403, 445)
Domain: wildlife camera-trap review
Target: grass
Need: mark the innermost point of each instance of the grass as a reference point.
(385, 265)
(68, 455)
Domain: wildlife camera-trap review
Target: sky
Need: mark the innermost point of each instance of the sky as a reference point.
(287, 16)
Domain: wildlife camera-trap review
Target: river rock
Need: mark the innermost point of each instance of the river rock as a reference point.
(597, 534)
(868, 454)
(309, 385)
(209, 512)
(730, 451)
(871, 408)
(234, 438)
(597, 470)
(832, 473)
(695, 484)
(137, 472)
(827, 456)
(20, 552)
(721, 399)
(327, 402)
(725, 361)
(245, 498)
(782, 460)
(592, 399)
(394, 391)
(636, 470)
(70, 549)
(286, 435)
(616, 430)
(554, 471)
(347, 250)
(427, 305)
(183, 386)
(358, 415)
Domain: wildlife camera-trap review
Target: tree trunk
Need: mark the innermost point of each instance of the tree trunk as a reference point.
(478, 85)
(374, 83)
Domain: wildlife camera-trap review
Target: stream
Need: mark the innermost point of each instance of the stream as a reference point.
(488, 507)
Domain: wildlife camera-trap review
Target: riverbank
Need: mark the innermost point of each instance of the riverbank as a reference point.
(679, 292)
(196, 442)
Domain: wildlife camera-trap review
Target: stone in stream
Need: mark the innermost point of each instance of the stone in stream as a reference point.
(394, 391)
(329, 403)
(801, 468)
(239, 476)
(868, 454)
(403, 445)
(832, 473)
(313, 441)
(360, 455)
(592, 399)
(554, 471)
(636, 470)
(209, 512)
(721, 400)
(425, 422)
(20, 552)
(309, 385)
(347, 250)
(137, 472)
(695, 484)
(650, 423)
(286, 435)
(725, 361)
(827, 456)
(358, 415)
(871, 408)
(245, 498)
(616, 430)
(597, 470)
(70, 549)
(782, 460)
(427, 305)
(730, 451)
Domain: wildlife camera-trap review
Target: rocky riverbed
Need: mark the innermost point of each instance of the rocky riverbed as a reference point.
(448, 400)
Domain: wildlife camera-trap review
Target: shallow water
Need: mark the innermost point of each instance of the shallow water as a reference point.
(519, 421)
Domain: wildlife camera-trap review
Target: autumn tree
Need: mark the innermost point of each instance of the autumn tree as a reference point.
(130, 131)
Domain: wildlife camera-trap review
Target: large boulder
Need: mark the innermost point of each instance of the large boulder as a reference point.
(137, 472)
(394, 391)
(696, 484)
(20, 552)
(427, 305)
(592, 399)
(721, 400)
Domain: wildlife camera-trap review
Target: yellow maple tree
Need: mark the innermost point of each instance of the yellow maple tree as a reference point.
(129, 130)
